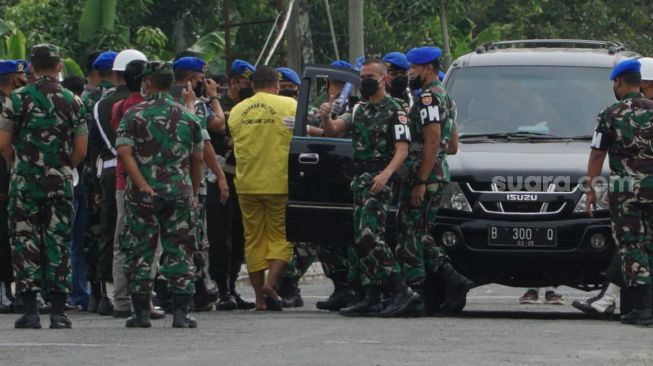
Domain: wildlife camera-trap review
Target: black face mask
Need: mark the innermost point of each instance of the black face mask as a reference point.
(245, 93)
(200, 88)
(288, 93)
(368, 87)
(398, 86)
(416, 83)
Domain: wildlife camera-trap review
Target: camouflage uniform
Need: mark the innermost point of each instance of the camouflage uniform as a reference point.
(625, 131)
(163, 135)
(416, 249)
(375, 130)
(44, 118)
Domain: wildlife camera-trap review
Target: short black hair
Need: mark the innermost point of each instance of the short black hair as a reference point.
(162, 82)
(376, 61)
(181, 74)
(631, 78)
(105, 73)
(90, 60)
(5, 79)
(132, 75)
(185, 53)
(41, 64)
(264, 77)
(219, 79)
(74, 83)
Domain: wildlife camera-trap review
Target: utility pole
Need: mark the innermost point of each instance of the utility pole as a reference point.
(356, 30)
(294, 46)
(445, 35)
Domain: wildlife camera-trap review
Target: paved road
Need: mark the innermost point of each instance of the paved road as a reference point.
(493, 330)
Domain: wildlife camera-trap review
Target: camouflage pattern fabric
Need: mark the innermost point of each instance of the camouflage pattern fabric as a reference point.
(376, 127)
(374, 260)
(43, 118)
(416, 250)
(303, 256)
(625, 131)
(163, 135)
(433, 105)
(169, 221)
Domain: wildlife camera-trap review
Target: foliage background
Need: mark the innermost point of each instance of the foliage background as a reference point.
(162, 27)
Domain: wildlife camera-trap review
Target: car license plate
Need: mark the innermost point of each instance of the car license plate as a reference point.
(522, 236)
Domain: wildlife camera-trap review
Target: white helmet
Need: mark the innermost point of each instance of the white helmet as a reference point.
(647, 68)
(125, 57)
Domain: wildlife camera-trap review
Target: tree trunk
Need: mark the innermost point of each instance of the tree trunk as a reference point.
(445, 35)
(356, 30)
(305, 38)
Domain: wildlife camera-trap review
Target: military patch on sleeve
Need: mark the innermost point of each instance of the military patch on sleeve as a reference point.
(426, 98)
(403, 119)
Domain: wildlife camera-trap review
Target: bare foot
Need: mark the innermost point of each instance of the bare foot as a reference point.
(269, 291)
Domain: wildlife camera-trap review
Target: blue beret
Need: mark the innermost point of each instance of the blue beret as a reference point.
(243, 68)
(191, 63)
(423, 55)
(396, 61)
(288, 74)
(105, 60)
(441, 75)
(12, 66)
(630, 65)
(340, 64)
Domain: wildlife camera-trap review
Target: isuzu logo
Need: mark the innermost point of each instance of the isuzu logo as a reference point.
(521, 197)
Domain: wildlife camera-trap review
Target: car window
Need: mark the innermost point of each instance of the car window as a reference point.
(560, 101)
(319, 93)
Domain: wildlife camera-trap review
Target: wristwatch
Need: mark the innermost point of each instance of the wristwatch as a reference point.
(422, 181)
(215, 97)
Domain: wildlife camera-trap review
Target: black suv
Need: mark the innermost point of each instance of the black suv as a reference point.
(515, 211)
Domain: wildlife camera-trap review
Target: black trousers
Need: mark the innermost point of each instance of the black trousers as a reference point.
(6, 269)
(225, 234)
(108, 216)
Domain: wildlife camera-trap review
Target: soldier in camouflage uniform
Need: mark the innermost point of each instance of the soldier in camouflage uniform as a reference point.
(189, 89)
(624, 133)
(432, 119)
(91, 184)
(160, 142)
(380, 137)
(46, 125)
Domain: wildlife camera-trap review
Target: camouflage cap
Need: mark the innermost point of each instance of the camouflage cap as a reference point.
(45, 50)
(157, 68)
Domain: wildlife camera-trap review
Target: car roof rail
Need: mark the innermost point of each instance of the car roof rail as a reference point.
(612, 47)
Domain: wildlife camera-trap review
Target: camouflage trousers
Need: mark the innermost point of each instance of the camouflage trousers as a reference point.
(169, 221)
(632, 220)
(332, 257)
(41, 228)
(417, 251)
(373, 259)
(201, 255)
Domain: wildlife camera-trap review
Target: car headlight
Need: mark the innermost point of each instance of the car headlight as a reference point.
(453, 198)
(602, 201)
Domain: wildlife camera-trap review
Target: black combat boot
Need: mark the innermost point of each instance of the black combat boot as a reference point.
(58, 317)
(240, 301)
(291, 296)
(96, 295)
(105, 307)
(141, 316)
(641, 313)
(370, 305)
(341, 297)
(202, 300)
(30, 318)
(180, 304)
(402, 302)
(456, 287)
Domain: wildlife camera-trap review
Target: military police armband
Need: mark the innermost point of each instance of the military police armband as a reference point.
(401, 131)
(600, 141)
(429, 111)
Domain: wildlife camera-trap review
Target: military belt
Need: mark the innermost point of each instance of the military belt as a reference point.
(373, 165)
